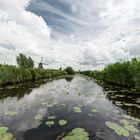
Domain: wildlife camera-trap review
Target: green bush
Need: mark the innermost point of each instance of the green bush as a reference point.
(70, 70)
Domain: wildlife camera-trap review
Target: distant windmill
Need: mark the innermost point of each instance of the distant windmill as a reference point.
(40, 64)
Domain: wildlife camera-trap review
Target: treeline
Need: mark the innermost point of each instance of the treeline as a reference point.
(124, 73)
(25, 71)
(10, 74)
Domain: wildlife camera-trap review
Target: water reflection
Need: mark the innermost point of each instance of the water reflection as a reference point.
(58, 97)
(126, 99)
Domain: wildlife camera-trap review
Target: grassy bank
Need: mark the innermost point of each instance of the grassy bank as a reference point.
(124, 73)
(10, 74)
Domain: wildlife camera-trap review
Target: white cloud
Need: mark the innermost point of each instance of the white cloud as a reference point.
(111, 28)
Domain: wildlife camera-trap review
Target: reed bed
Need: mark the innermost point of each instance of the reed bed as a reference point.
(124, 73)
(10, 74)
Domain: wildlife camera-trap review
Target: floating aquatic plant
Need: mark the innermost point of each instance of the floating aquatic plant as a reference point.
(50, 123)
(128, 104)
(124, 121)
(62, 122)
(3, 130)
(132, 118)
(4, 134)
(38, 117)
(50, 105)
(94, 110)
(78, 130)
(51, 117)
(54, 102)
(117, 129)
(118, 103)
(90, 115)
(77, 109)
(11, 113)
(131, 128)
(77, 134)
(137, 137)
(44, 103)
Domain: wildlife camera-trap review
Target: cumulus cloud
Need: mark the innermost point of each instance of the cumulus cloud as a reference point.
(84, 34)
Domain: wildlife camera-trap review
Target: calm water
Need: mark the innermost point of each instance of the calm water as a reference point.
(111, 103)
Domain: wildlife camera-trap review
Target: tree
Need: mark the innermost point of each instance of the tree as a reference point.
(70, 70)
(24, 62)
(30, 62)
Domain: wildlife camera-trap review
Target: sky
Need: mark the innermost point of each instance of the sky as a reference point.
(84, 34)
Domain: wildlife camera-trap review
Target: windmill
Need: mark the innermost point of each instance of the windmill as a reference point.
(40, 64)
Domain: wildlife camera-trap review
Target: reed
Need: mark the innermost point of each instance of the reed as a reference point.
(10, 74)
(124, 73)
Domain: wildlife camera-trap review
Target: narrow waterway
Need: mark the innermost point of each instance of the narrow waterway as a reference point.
(79, 101)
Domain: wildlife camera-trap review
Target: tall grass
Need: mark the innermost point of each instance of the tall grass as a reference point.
(125, 73)
(10, 74)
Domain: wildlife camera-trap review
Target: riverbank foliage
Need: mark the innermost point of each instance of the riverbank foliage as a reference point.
(10, 74)
(124, 73)
(24, 62)
(70, 71)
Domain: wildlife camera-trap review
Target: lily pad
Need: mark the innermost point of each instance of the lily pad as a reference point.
(125, 122)
(11, 113)
(78, 130)
(77, 134)
(3, 130)
(50, 123)
(118, 103)
(132, 118)
(77, 109)
(117, 129)
(90, 115)
(137, 137)
(51, 117)
(38, 117)
(4, 135)
(94, 110)
(131, 128)
(62, 122)
(50, 105)
(128, 104)
(44, 103)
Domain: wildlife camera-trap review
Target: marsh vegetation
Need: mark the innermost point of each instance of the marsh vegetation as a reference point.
(25, 71)
(123, 73)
